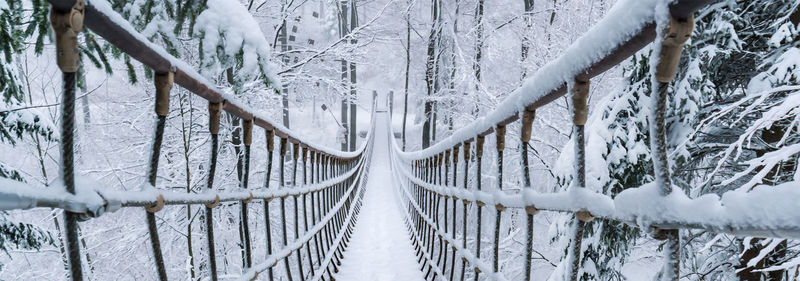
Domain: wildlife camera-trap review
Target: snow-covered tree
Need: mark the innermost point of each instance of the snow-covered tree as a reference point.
(732, 124)
(743, 75)
(16, 121)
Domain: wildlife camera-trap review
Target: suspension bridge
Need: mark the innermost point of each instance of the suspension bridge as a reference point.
(420, 213)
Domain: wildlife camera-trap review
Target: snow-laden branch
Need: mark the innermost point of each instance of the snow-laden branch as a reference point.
(229, 26)
(606, 43)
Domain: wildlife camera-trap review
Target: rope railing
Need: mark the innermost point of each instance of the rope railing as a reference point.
(428, 177)
(325, 190)
(419, 216)
(352, 197)
(602, 206)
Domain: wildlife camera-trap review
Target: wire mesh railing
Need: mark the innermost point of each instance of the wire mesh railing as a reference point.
(446, 205)
(324, 204)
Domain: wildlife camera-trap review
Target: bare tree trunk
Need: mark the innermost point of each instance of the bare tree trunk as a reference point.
(283, 36)
(454, 66)
(187, 135)
(236, 141)
(343, 30)
(550, 24)
(64, 259)
(88, 257)
(390, 102)
(435, 111)
(353, 97)
(344, 110)
(408, 64)
(430, 74)
(526, 40)
(426, 127)
(478, 53)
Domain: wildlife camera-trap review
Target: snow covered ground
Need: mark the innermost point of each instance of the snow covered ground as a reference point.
(381, 248)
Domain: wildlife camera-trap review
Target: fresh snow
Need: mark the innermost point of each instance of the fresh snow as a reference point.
(381, 248)
(230, 24)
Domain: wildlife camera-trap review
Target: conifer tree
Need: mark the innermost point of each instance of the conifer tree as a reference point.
(17, 121)
(734, 105)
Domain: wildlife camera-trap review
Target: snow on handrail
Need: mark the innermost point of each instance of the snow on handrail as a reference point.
(104, 21)
(603, 46)
(736, 212)
(90, 196)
